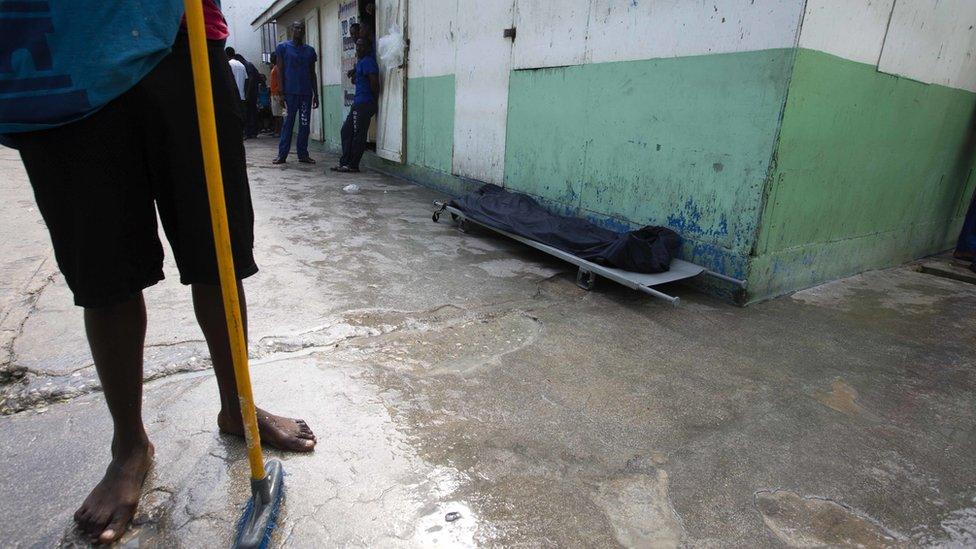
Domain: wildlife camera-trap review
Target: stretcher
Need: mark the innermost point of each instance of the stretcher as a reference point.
(587, 272)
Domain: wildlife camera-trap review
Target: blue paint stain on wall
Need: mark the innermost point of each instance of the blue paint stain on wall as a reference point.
(688, 221)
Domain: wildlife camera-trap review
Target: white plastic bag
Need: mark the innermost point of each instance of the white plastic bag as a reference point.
(389, 48)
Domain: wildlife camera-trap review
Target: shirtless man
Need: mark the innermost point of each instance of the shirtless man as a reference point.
(112, 138)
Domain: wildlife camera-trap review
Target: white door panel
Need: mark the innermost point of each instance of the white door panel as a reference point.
(312, 39)
(484, 60)
(550, 33)
(393, 80)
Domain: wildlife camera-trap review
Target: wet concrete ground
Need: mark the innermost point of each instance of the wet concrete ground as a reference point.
(460, 372)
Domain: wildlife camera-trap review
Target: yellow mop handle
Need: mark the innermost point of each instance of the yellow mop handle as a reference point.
(218, 217)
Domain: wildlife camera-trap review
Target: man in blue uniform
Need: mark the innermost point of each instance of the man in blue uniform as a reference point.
(299, 90)
(366, 76)
(107, 131)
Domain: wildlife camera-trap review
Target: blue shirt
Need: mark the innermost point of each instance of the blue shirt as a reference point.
(296, 63)
(61, 60)
(365, 67)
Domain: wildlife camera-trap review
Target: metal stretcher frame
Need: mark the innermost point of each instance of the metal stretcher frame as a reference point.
(588, 271)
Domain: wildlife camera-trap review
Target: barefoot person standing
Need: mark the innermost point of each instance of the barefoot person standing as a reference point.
(107, 131)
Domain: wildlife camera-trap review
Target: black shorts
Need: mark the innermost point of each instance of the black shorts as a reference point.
(99, 181)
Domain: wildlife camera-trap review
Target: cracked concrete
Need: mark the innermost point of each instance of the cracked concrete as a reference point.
(448, 372)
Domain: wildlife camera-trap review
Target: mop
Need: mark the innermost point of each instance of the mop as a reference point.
(267, 488)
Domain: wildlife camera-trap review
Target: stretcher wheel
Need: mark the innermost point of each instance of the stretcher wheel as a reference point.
(585, 279)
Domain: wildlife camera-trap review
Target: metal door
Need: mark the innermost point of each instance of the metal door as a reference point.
(483, 63)
(391, 15)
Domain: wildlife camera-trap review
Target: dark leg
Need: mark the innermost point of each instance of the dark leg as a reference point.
(346, 134)
(252, 117)
(284, 144)
(966, 244)
(360, 133)
(116, 335)
(279, 432)
(304, 127)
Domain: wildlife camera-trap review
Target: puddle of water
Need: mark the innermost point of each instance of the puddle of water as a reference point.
(435, 530)
(640, 511)
(800, 521)
(841, 397)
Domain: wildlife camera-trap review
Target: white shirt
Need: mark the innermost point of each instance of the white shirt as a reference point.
(240, 75)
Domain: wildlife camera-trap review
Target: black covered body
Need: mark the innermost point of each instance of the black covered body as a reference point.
(645, 250)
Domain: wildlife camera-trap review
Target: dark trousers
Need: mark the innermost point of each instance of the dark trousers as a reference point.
(251, 117)
(136, 158)
(966, 247)
(354, 132)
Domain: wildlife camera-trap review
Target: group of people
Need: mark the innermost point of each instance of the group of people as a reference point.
(249, 81)
(294, 94)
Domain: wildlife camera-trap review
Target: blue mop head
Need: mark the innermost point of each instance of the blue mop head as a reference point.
(261, 511)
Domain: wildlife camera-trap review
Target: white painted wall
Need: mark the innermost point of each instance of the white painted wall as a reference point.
(571, 32)
(852, 29)
(932, 41)
(243, 38)
(648, 29)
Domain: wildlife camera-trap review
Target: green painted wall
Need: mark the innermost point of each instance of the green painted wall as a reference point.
(871, 170)
(430, 122)
(332, 115)
(683, 142)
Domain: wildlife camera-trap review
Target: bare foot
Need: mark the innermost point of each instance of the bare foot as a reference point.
(292, 435)
(109, 507)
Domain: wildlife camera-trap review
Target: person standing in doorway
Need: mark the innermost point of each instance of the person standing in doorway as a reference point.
(298, 84)
(356, 127)
(276, 99)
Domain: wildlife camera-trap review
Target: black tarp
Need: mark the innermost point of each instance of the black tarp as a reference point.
(646, 250)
